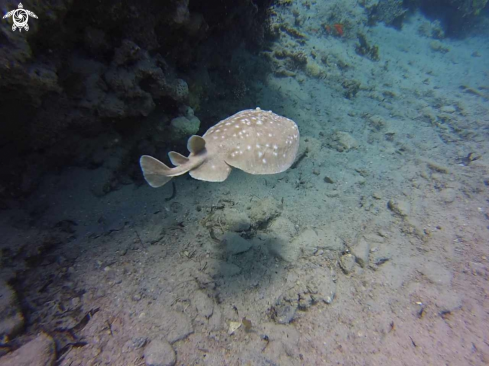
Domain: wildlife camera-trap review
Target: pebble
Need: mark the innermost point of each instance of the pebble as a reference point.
(448, 109)
(361, 251)
(401, 208)
(159, 353)
(377, 195)
(235, 244)
(347, 263)
(448, 195)
(285, 313)
(40, 351)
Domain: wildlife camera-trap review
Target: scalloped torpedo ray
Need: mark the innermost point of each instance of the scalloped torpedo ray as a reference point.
(255, 141)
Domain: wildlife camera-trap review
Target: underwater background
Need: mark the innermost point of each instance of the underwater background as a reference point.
(371, 249)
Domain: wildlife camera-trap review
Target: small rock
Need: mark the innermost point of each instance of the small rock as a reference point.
(448, 109)
(361, 252)
(304, 289)
(41, 351)
(235, 244)
(377, 195)
(374, 238)
(343, 141)
(236, 221)
(448, 195)
(320, 286)
(306, 244)
(264, 211)
(347, 263)
(439, 47)
(285, 312)
(328, 180)
(133, 344)
(401, 208)
(139, 342)
(159, 353)
(438, 168)
(282, 229)
(75, 302)
(377, 122)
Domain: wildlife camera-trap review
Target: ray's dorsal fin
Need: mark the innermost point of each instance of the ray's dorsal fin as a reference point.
(195, 144)
(176, 158)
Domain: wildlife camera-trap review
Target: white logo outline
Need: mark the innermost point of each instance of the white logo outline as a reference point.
(20, 17)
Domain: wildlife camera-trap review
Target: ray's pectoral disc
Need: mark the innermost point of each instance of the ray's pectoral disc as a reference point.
(255, 141)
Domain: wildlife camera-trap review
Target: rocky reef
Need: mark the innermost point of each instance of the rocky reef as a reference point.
(109, 69)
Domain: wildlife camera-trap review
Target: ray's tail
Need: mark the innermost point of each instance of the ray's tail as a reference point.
(155, 172)
(158, 174)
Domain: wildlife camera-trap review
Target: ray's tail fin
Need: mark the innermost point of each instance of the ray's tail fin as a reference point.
(155, 172)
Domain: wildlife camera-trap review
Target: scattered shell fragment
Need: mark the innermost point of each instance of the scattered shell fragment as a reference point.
(233, 327)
